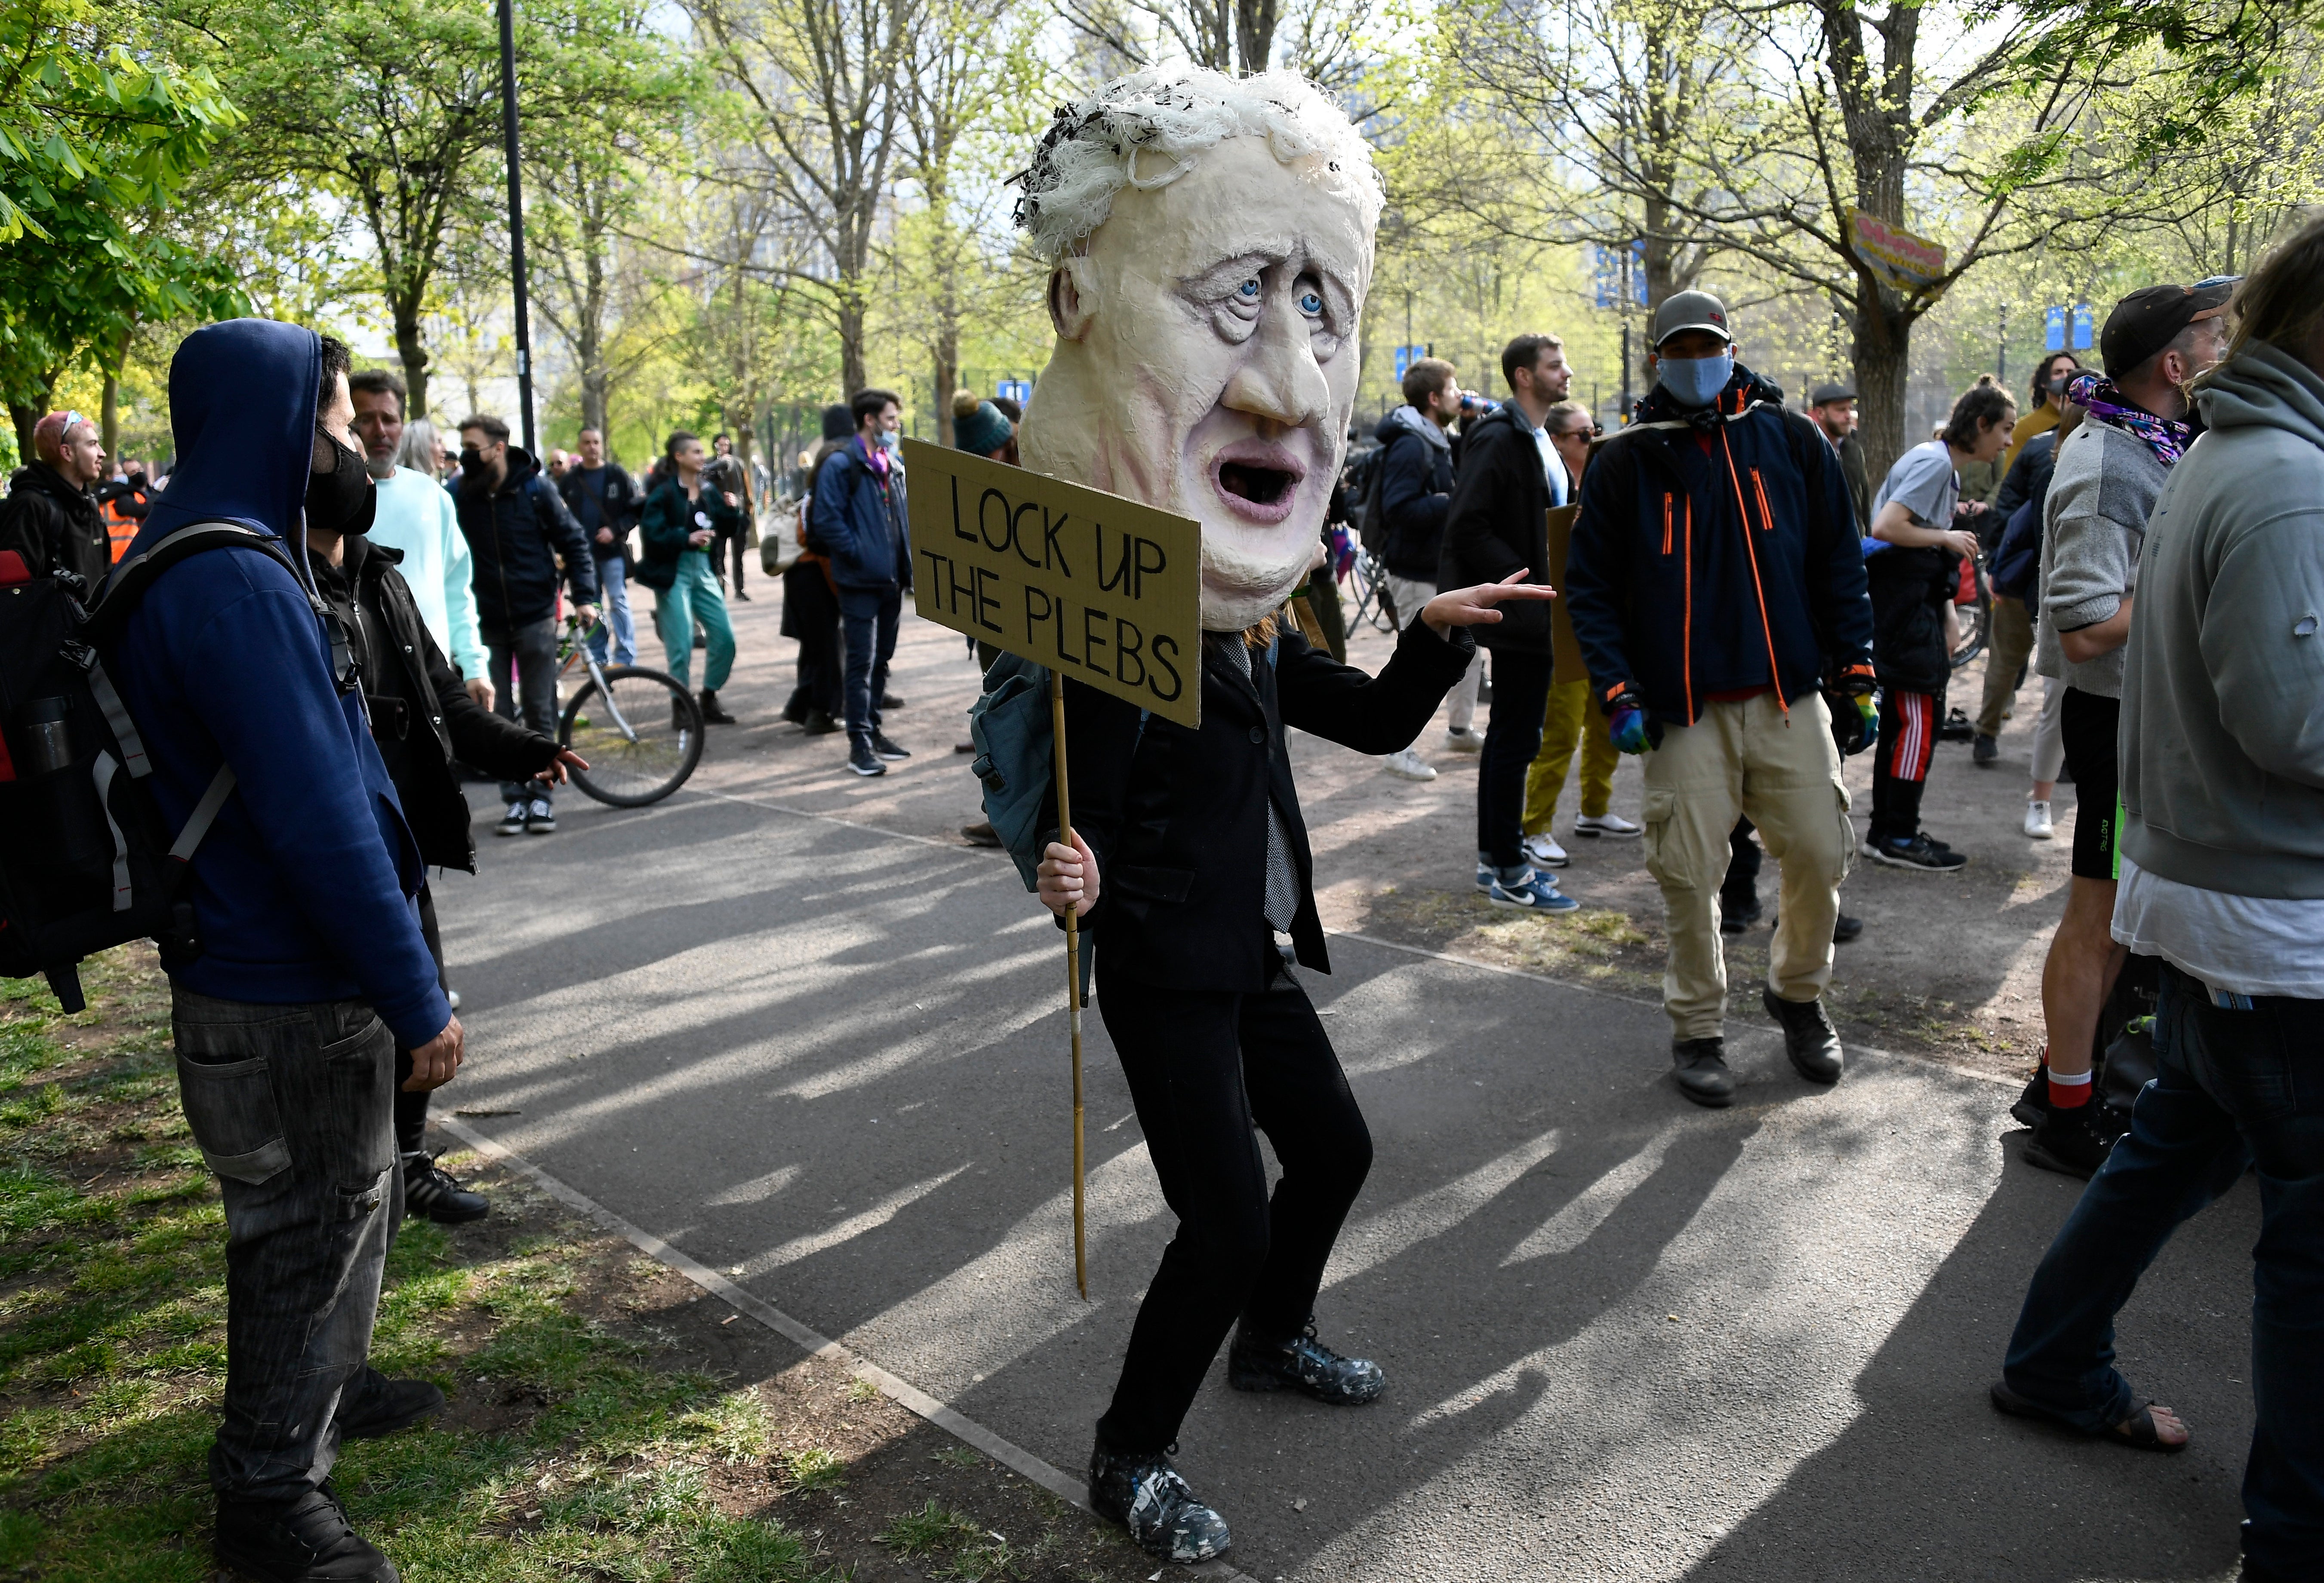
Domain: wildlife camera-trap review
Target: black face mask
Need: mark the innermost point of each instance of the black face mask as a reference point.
(341, 501)
(471, 459)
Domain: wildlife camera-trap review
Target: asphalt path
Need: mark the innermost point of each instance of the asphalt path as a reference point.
(1625, 1337)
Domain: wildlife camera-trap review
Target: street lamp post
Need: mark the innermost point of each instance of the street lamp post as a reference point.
(516, 223)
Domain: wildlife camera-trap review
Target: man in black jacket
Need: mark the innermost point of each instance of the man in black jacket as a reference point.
(518, 529)
(1414, 489)
(50, 516)
(1716, 581)
(607, 503)
(1496, 525)
(421, 718)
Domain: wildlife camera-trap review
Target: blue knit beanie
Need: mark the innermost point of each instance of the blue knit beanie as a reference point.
(978, 426)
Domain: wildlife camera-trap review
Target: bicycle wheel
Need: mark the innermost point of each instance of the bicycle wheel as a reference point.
(642, 741)
(1975, 620)
(1381, 615)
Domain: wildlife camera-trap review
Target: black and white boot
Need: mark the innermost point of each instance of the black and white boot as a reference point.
(431, 1192)
(1304, 1365)
(302, 1540)
(1143, 1493)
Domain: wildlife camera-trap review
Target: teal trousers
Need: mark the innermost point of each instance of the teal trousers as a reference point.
(695, 596)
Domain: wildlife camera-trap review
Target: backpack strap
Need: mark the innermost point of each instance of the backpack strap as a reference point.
(134, 576)
(204, 814)
(116, 717)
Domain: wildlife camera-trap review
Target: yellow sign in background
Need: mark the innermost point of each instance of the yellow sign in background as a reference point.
(1100, 589)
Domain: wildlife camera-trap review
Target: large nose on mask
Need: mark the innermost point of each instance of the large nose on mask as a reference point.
(1278, 379)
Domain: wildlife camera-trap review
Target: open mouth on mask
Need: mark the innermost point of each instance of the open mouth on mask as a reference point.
(1258, 479)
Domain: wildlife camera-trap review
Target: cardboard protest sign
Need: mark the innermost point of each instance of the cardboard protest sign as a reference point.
(1100, 589)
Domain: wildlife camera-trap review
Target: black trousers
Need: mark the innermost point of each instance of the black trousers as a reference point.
(1739, 891)
(1205, 1068)
(411, 1109)
(1512, 737)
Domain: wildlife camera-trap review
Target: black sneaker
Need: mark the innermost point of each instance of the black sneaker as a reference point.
(431, 1192)
(2077, 1141)
(512, 820)
(1957, 728)
(1143, 1493)
(1984, 751)
(374, 1405)
(818, 723)
(2032, 1106)
(1735, 920)
(1809, 1038)
(889, 701)
(1304, 1365)
(1699, 1067)
(888, 749)
(711, 712)
(1920, 853)
(1845, 929)
(302, 1540)
(540, 817)
(862, 760)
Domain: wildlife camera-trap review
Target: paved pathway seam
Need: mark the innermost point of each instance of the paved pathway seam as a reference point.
(902, 1392)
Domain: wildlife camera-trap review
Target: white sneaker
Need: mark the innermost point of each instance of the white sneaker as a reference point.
(1465, 741)
(1543, 850)
(1610, 824)
(1407, 764)
(2037, 820)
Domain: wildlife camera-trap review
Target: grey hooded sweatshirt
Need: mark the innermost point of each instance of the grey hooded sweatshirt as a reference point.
(2223, 679)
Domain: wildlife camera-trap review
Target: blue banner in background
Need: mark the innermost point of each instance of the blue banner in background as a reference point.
(2054, 328)
(2083, 321)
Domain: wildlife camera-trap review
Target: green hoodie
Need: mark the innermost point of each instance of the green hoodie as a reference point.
(2223, 680)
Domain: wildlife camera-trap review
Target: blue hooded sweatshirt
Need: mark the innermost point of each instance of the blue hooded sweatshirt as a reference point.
(303, 890)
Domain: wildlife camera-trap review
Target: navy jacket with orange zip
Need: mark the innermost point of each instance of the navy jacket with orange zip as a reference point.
(1701, 568)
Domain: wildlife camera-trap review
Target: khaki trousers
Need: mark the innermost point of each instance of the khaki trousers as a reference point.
(1571, 721)
(2005, 656)
(1746, 759)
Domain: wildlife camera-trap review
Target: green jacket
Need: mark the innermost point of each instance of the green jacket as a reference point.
(669, 516)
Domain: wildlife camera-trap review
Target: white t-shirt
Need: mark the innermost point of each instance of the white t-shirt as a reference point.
(1552, 466)
(1924, 482)
(2243, 944)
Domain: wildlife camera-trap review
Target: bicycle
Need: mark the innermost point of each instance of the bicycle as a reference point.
(1975, 615)
(650, 736)
(1369, 578)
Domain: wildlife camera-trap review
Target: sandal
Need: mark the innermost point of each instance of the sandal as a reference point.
(2137, 1431)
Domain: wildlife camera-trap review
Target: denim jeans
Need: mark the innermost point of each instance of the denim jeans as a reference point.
(292, 1107)
(530, 650)
(869, 616)
(614, 599)
(2232, 1087)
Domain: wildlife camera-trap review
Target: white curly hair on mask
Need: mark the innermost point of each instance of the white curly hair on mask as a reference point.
(1168, 116)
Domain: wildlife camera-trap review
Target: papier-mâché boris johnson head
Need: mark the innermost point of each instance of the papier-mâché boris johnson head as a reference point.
(1210, 241)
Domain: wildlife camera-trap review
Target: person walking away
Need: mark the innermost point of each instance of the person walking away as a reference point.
(312, 968)
(2222, 784)
(1716, 583)
(685, 514)
(1570, 721)
(519, 531)
(811, 602)
(1414, 488)
(607, 503)
(731, 477)
(860, 521)
(2103, 486)
(1911, 563)
(1834, 408)
(417, 519)
(422, 716)
(1495, 527)
(50, 516)
(2011, 647)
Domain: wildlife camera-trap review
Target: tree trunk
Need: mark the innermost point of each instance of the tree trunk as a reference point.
(944, 369)
(851, 377)
(26, 417)
(409, 352)
(109, 417)
(1883, 352)
(1254, 21)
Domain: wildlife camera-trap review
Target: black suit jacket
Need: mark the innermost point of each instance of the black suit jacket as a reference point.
(1178, 818)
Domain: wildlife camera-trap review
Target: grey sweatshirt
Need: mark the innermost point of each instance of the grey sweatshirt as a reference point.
(2223, 694)
(2103, 490)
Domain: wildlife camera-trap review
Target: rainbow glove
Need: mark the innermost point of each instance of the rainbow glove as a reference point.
(1627, 728)
(1863, 702)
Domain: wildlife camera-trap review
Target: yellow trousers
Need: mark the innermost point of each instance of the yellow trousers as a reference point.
(1746, 759)
(1569, 722)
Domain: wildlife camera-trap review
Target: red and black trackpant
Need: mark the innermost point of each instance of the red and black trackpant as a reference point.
(1909, 722)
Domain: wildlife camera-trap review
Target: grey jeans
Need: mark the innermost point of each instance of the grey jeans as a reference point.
(530, 652)
(293, 1106)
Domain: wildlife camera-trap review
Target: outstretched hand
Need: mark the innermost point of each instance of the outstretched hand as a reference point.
(1473, 607)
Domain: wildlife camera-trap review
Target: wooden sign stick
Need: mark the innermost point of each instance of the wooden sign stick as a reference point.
(1073, 973)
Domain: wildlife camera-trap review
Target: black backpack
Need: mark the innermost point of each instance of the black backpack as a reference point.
(87, 861)
(1362, 486)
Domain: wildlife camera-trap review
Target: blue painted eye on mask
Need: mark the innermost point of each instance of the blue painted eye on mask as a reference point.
(1696, 381)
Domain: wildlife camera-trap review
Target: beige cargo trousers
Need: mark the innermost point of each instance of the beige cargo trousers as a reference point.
(1780, 771)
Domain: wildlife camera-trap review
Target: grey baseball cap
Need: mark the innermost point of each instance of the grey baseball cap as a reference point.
(1690, 310)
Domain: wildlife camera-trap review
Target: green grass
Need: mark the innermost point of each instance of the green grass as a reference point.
(112, 1360)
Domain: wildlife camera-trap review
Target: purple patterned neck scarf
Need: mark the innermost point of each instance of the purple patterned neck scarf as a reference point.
(2167, 438)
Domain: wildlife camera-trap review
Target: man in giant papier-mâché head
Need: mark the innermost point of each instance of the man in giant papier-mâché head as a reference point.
(1211, 245)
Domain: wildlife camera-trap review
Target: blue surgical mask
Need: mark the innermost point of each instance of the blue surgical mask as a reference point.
(892, 442)
(1696, 381)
